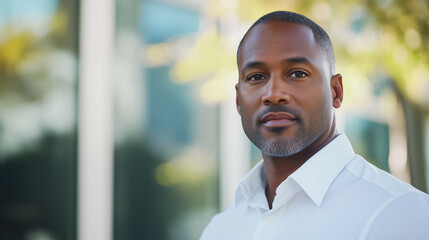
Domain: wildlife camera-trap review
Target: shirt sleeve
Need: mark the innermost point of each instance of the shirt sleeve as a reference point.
(407, 217)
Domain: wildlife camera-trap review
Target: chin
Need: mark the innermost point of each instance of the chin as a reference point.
(281, 148)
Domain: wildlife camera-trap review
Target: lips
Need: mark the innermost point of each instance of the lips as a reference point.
(278, 119)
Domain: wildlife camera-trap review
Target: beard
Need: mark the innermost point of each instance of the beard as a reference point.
(285, 146)
(282, 147)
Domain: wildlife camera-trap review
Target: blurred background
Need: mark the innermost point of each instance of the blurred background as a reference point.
(118, 119)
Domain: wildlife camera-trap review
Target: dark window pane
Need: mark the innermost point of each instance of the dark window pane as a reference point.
(38, 49)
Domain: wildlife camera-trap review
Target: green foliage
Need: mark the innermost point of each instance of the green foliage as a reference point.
(371, 38)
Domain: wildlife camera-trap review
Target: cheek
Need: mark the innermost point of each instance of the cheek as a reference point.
(307, 96)
(314, 101)
(247, 111)
(323, 107)
(249, 102)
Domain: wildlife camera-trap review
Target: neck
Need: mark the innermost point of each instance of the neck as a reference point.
(279, 168)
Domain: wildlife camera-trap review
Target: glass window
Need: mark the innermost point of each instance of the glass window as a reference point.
(166, 149)
(38, 46)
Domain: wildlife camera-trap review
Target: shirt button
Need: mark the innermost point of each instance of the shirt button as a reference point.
(270, 219)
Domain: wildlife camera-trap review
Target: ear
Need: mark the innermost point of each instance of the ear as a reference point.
(237, 101)
(337, 90)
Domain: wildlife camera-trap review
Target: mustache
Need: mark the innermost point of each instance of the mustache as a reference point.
(278, 108)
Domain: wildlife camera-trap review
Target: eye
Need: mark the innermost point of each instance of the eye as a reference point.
(299, 74)
(256, 77)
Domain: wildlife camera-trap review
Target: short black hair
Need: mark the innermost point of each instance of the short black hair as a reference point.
(321, 37)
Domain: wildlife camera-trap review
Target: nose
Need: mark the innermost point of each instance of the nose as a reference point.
(276, 92)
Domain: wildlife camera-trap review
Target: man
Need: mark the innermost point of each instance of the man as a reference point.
(310, 184)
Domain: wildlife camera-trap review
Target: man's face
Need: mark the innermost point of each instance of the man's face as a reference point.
(284, 93)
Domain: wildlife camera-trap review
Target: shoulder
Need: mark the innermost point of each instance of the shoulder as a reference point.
(401, 217)
(377, 179)
(400, 210)
(219, 224)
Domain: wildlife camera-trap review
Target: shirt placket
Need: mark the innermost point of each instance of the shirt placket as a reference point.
(269, 221)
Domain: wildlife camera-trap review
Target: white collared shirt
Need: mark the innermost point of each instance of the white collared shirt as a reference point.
(336, 194)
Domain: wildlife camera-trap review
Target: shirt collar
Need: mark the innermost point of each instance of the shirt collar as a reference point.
(317, 173)
(314, 176)
(254, 182)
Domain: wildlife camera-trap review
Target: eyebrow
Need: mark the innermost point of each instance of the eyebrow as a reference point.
(253, 65)
(287, 60)
(296, 60)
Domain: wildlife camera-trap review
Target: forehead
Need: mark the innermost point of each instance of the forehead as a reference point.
(281, 39)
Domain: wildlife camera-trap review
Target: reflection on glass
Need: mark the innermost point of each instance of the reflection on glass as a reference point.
(37, 119)
(370, 139)
(166, 137)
